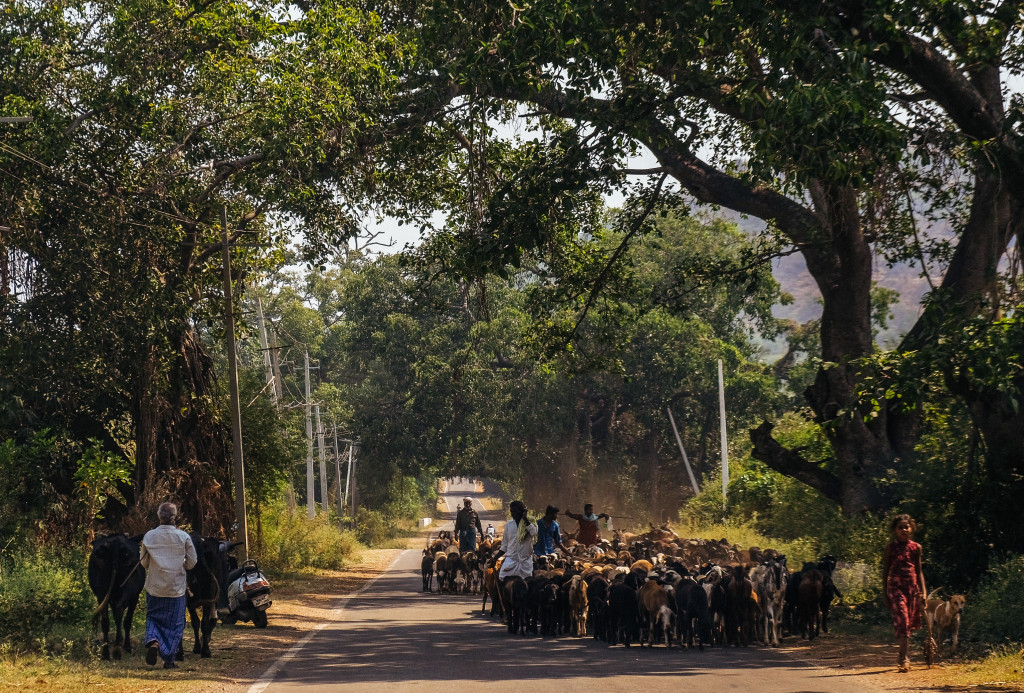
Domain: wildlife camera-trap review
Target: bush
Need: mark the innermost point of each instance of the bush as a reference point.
(39, 590)
(373, 527)
(294, 542)
(995, 612)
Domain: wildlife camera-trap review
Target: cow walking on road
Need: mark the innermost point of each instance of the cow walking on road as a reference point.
(116, 578)
(203, 591)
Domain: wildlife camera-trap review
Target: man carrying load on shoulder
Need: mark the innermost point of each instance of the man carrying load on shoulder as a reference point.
(517, 543)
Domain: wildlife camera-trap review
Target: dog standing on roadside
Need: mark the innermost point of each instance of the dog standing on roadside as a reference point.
(945, 615)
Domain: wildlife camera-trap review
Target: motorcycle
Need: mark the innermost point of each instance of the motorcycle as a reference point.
(245, 591)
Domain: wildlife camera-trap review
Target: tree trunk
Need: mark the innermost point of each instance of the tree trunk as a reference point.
(842, 270)
(182, 454)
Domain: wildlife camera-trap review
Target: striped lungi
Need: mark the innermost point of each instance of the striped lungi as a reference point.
(165, 623)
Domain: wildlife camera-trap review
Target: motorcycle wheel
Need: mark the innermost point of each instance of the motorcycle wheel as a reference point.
(259, 619)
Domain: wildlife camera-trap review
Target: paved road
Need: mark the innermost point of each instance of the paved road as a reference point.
(393, 637)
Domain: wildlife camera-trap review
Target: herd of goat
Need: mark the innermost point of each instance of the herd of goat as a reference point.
(645, 589)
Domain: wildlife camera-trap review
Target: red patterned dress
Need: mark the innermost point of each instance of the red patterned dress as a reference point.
(902, 588)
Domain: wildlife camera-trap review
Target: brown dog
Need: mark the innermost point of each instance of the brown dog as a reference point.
(945, 615)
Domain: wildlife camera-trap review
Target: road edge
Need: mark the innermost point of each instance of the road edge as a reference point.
(263, 682)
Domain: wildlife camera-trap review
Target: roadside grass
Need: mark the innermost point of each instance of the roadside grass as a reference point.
(1003, 667)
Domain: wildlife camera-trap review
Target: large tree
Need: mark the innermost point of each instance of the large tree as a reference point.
(149, 116)
(841, 127)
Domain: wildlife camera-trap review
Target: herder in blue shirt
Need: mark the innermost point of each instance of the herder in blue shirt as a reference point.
(548, 536)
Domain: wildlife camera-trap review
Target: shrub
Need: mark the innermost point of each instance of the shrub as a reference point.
(41, 589)
(373, 527)
(995, 612)
(294, 542)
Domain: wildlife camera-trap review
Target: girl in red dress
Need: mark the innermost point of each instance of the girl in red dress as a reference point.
(904, 584)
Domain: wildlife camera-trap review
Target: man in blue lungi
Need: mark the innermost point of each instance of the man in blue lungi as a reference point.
(166, 553)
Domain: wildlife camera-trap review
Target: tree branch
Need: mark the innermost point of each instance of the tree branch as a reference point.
(792, 464)
(599, 282)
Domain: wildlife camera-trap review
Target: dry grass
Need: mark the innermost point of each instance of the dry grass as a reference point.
(868, 654)
(241, 653)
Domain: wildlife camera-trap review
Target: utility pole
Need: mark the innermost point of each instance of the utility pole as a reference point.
(310, 491)
(351, 471)
(686, 460)
(725, 445)
(272, 337)
(337, 474)
(267, 366)
(323, 460)
(236, 412)
(348, 474)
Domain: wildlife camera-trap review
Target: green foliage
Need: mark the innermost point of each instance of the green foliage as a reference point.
(42, 589)
(995, 612)
(270, 444)
(374, 527)
(294, 542)
(99, 475)
(23, 486)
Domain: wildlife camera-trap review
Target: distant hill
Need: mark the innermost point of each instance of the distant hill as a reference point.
(791, 273)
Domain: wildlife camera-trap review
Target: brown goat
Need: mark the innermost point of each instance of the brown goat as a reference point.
(578, 605)
(654, 602)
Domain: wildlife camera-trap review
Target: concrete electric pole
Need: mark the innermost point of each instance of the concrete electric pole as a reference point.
(236, 412)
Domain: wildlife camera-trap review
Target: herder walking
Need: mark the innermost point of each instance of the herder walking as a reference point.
(166, 553)
(467, 526)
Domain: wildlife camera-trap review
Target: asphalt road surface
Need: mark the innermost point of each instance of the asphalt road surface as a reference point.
(393, 637)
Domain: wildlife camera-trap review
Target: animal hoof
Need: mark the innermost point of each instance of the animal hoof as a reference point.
(117, 653)
(105, 652)
(206, 654)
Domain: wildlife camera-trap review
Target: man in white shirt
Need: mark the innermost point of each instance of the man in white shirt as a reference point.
(517, 543)
(166, 553)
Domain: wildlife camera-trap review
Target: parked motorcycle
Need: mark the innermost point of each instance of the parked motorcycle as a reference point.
(245, 591)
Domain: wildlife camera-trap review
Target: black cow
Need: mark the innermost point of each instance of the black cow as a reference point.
(203, 590)
(116, 577)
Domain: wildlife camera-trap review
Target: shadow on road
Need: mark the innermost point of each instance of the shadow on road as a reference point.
(396, 634)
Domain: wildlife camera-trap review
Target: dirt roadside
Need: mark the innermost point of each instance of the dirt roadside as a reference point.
(240, 652)
(873, 661)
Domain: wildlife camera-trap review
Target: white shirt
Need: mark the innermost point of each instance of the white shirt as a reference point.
(518, 554)
(166, 553)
